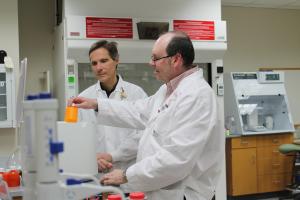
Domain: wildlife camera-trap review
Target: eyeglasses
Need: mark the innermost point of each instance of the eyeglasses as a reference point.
(156, 59)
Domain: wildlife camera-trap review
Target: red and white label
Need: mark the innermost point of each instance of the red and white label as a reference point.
(195, 29)
(100, 27)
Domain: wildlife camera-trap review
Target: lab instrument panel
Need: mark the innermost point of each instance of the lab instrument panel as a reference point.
(256, 103)
(7, 97)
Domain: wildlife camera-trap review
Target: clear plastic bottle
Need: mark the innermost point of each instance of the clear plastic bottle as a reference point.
(136, 196)
(4, 194)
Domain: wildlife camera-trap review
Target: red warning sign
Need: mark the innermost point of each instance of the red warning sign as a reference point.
(196, 30)
(100, 27)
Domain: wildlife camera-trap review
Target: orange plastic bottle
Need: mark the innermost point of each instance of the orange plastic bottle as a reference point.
(71, 114)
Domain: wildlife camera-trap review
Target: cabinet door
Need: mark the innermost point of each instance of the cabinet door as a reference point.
(273, 182)
(244, 174)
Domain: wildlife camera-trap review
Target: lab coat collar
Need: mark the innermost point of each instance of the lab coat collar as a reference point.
(168, 99)
(172, 84)
(119, 88)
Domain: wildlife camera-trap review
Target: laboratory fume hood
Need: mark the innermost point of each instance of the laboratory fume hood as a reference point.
(256, 103)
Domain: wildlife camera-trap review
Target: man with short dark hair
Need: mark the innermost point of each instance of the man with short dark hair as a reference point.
(180, 152)
(116, 147)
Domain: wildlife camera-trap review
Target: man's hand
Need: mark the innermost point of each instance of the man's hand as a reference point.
(104, 161)
(116, 177)
(82, 102)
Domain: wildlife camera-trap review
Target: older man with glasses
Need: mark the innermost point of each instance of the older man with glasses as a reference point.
(180, 151)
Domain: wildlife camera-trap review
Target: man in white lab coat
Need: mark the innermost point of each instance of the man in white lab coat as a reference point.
(180, 152)
(117, 147)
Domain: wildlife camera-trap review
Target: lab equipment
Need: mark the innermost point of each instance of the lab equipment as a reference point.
(257, 102)
(136, 196)
(269, 122)
(4, 193)
(71, 114)
(73, 65)
(40, 149)
(21, 91)
(113, 197)
(13, 161)
(12, 178)
(7, 94)
(78, 157)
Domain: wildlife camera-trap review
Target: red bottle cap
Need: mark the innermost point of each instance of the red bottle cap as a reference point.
(4, 176)
(114, 197)
(136, 195)
(13, 178)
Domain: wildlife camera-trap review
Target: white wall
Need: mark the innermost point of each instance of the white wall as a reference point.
(259, 37)
(168, 9)
(36, 39)
(9, 41)
(31, 35)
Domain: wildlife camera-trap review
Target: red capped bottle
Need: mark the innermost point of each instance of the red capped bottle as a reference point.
(114, 197)
(137, 196)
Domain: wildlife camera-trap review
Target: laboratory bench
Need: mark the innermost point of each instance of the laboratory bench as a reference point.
(254, 164)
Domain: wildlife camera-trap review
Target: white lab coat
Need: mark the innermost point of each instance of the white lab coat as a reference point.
(121, 143)
(181, 148)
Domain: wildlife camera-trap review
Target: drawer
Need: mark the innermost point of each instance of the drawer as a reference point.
(269, 166)
(272, 183)
(269, 152)
(243, 142)
(269, 161)
(274, 139)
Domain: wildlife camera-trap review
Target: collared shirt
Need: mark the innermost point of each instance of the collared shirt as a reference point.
(180, 152)
(108, 92)
(121, 143)
(172, 84)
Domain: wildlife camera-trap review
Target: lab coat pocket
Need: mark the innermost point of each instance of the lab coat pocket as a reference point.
(162, 194)
(162, 122)
(157, 136)
(161, 126)
(160, 132)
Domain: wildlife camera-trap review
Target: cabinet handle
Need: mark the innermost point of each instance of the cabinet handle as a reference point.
(276, 181)
(276, 164)
(244, 142)
(275, 140)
